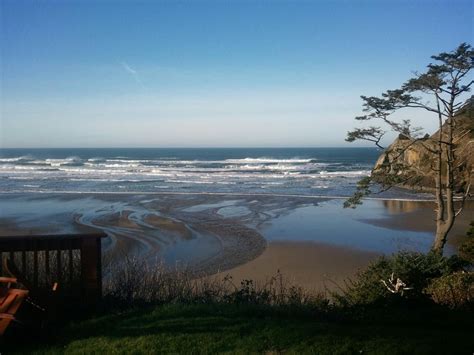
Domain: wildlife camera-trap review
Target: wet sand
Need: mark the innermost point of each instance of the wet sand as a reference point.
(315, 243)
(156, 229)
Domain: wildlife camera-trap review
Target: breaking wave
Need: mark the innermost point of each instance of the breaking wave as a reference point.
(227, 174)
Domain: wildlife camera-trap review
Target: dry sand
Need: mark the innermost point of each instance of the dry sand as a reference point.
(313, 266)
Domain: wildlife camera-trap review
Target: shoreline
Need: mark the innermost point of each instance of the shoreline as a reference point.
(204, 243)
(205, 193)
(247, 235)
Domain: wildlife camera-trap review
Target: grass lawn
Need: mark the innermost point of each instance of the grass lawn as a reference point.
(244, 329)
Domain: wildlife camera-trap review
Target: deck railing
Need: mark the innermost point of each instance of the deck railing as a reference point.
(73, 261)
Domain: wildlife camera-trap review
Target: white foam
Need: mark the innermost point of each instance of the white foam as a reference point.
(22, 158)
(112, 174)
(267, 160)
(346, 173)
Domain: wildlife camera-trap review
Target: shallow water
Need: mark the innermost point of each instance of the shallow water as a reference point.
(329, 223)
(233, 211)
(376, 226)
(208, 206)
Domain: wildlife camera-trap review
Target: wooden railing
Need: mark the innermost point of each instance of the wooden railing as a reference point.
(73, 261)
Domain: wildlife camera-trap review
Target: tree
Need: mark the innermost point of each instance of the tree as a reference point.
(446, 82)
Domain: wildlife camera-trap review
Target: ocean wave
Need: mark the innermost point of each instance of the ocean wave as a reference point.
(17, 159)
(99, 162)
(346, 173)
(27, 168)
(188, 181)
(269, 160)
(71, 166)
(262, 173)
(96, 160)
(141, 174)
(72, 159)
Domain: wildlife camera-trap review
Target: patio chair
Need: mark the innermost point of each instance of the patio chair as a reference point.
(43, 299)
(10, 301)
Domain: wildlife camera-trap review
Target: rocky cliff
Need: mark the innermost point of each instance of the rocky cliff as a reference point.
(410, 163)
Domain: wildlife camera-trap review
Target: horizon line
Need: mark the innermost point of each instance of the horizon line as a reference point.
(195, 147)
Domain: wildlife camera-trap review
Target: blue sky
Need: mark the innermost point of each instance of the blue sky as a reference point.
(209, 73)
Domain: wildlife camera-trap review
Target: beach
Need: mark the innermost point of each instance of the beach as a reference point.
(313, 242)
(245, 212)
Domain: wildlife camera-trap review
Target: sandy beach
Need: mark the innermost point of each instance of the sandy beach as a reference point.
(314, 243)
(313, 266)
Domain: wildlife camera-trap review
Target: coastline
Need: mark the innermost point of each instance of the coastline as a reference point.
(209, 193)
(312, 241)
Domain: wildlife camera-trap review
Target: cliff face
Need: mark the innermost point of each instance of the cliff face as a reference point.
(418, 162)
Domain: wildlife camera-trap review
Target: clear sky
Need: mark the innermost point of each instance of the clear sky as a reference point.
(209, 73)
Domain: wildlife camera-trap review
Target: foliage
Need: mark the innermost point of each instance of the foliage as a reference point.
(134, 281)
(416, 270)
(445, 81)
(445, 77)
(372, 134)
(466, 250)
(182, 313)
(454, 290)
(362, 190)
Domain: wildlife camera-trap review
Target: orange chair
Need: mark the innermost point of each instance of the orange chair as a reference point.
(10, 301)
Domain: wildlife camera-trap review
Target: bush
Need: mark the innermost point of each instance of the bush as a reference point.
(466, 250)
(414, 270)
(133, 282)
(455, 290)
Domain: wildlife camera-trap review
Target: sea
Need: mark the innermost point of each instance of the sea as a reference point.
(328, 172)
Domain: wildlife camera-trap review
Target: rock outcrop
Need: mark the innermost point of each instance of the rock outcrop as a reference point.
(410, 163)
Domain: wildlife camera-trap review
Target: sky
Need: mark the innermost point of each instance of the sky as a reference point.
(210, 73)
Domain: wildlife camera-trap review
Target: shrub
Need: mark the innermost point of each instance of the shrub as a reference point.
(455, 290)
(415, 270)
(466, 250)
(133, 281)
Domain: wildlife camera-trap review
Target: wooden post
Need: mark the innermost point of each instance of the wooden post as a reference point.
(91, 270)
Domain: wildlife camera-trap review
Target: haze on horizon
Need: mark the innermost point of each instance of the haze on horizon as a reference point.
(208, 73)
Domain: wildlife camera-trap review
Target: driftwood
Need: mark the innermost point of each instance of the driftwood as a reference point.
(396, 286)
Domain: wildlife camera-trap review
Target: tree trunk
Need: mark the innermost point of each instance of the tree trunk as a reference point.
(445, 223)
(441, 235)
(442, 230)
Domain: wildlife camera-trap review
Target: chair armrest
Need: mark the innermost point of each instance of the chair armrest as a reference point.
(18, 292)
(6, 316)
(8, 279)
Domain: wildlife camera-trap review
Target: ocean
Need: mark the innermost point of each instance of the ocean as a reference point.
(292, 171)
(129, 193)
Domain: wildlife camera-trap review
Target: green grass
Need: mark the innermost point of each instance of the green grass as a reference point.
(247, 329)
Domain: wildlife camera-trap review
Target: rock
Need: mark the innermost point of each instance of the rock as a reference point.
(406, 158)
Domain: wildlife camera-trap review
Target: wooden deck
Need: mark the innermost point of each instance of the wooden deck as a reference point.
(71, 260)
